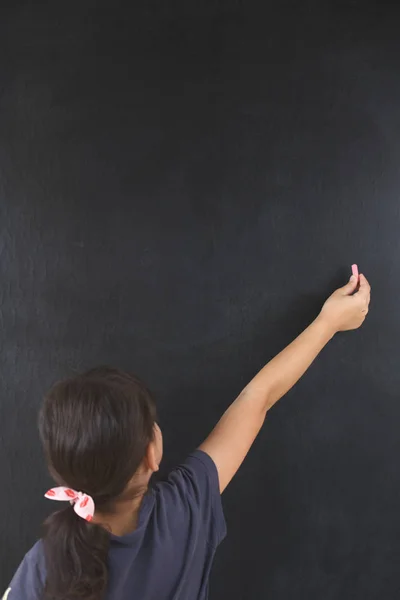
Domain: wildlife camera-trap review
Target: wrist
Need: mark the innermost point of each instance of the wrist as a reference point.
(326, 325)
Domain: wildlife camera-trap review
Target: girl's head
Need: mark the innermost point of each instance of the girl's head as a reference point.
(100, 437)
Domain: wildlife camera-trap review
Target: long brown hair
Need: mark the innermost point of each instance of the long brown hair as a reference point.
(95, 429)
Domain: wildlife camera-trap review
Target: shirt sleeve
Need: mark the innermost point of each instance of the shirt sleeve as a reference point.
(194, 487)
(27, 583)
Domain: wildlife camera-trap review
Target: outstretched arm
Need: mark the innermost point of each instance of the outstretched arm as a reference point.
(231, 439)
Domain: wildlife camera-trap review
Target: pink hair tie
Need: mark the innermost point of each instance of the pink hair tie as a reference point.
(83, 503)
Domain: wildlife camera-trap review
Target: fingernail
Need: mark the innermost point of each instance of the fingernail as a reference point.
(352, 278)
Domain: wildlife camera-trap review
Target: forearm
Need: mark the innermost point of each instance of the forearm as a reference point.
(283, 371)
(232, 437)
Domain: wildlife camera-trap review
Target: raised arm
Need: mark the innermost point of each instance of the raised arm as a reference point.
(231, 439)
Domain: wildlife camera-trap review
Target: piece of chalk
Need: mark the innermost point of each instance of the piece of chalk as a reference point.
(354, 268)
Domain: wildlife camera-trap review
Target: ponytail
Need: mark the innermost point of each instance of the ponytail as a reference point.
(95, 429)
(76, 557)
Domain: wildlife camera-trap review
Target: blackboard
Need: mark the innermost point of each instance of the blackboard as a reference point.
(181, 185)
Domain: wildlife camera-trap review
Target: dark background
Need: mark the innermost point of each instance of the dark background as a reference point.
(181, 185)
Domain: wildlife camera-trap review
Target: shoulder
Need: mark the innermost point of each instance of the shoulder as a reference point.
(196, 475)
(191, 493)
(28, 581)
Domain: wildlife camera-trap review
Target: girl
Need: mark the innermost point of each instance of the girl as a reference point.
(118, 539)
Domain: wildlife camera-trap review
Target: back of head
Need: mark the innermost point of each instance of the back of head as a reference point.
(95, 430)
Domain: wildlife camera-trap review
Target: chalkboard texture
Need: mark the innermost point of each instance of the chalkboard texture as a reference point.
(181, 185)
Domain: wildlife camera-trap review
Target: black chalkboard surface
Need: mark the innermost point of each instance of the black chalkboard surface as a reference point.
(181, 186)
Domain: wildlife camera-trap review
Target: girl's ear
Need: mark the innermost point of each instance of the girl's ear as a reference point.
(151, 457)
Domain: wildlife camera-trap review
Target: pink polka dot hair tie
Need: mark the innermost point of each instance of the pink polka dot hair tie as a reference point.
(83, 503)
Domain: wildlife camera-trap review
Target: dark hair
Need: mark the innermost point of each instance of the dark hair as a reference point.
(95, 430)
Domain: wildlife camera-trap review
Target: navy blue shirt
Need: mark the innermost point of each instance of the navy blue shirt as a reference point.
(169, 555)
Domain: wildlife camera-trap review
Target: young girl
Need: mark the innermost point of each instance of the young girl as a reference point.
(116, 538)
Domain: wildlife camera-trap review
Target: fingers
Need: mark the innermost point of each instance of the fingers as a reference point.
(364, 283)
(350, 287)
(363, 295)
(365, 289)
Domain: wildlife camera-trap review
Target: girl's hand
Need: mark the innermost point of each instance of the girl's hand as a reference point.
(345, 309)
